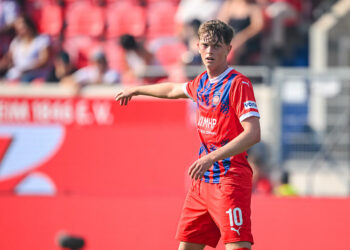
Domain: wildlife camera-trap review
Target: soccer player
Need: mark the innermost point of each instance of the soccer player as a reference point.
(218, 202)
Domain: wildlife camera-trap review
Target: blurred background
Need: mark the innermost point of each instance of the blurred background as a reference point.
(77, 171)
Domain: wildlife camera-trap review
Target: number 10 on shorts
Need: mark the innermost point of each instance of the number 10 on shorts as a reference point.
(236, 218)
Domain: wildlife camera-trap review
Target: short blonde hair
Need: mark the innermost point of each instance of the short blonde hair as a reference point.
(216, 31)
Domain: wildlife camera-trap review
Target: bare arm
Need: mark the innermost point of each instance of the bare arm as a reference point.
(161, 90)
(6, 61)
(249, 137)
(256, 25)
(224, 13)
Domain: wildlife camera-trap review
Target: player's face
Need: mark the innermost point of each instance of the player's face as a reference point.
(213, 53)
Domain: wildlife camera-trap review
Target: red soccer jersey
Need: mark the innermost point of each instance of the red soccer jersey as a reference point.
(222, 104)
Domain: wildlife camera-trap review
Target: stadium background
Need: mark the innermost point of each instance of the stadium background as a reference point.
(116, 176)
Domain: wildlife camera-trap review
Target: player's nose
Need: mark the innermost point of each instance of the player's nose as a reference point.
(210, 49)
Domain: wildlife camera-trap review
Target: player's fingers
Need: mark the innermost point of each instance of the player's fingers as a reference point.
(191, 168)
(195, 172)
(199, 174)
(117, 96)
(127, 99)
(123, 101)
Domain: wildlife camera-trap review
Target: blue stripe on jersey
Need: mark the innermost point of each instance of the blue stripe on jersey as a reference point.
(227, 164)
(202, 81)
(201, 85)
(216, 173)
(207, 93)
(225, 99)
(219, 85)
(201, 149)
(206, 176)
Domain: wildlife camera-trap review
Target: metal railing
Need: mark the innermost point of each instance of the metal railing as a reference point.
(314, 127)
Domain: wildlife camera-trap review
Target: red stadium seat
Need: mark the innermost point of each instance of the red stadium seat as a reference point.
(125, 18)
(172, 1)
(47, 15)
(170, 54)
(84, 18)
(114, 55)
(72, 1)
(119, 1)
(80, 49)
(161, 19)
(51, 19)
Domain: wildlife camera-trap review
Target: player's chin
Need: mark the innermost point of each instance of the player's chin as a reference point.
(210, 66)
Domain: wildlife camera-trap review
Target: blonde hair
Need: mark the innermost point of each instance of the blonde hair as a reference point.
(216, 31)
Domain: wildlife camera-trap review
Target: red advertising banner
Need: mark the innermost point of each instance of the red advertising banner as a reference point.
(87, 111)
(94, 146)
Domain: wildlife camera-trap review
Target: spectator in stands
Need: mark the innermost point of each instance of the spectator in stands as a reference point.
(9, 11)
(28, 55)
(257, 158)
(190, 10)
(136, 59)
(62, 67)
(247, 20)
(98, 72)
(282, 35)
(285, 188)
(192, 56)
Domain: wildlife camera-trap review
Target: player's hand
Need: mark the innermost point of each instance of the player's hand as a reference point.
(199, 167)
(125, 96)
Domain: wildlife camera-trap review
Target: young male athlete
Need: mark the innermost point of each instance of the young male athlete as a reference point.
(218, 202)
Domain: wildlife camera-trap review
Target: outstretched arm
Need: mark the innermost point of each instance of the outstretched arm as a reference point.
(246, 139)
(161, 90)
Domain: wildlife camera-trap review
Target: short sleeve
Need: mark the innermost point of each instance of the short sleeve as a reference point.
(13, 45)
(190, 88)
(243, 99)
(42, 42)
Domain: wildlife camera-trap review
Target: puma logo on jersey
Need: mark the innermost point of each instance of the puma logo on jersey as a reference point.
(244, 82)
(208, 123)
(236, 230)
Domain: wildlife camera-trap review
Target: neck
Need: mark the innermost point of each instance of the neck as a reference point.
(212, 73)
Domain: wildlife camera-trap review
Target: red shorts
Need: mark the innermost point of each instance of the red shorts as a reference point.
(219, 210)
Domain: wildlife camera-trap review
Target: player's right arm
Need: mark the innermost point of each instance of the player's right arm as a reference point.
(161, 90)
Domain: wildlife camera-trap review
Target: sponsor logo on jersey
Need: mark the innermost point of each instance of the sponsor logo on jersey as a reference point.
(250, 105)
(207, 123)
(216, 98)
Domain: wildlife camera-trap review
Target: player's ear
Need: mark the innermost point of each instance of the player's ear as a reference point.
(229, 47)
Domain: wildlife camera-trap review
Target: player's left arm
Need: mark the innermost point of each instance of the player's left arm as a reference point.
(246, 139)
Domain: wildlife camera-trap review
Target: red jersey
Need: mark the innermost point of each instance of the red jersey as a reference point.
(222, 104)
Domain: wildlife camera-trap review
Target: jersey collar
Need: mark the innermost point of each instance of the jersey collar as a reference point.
(221, 76)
